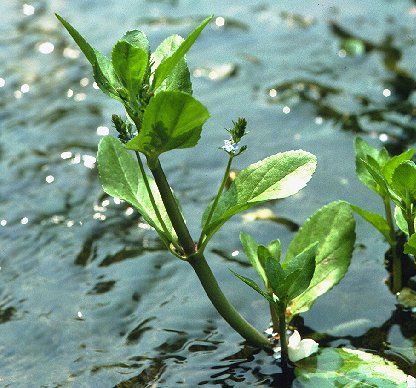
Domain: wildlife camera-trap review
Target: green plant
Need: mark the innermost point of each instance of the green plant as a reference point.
(393, 178)
(317, 259)
(156, 92)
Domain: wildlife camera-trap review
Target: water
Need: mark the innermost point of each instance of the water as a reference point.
(88, 298)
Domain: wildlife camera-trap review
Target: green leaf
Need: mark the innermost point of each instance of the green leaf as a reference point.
(170, 62)
(403, 181)
(171, 120)
(275, 249)
(342, 367)
(130, 58)
(376, 220)
(410, 246)
(103, 70)
(179, 77)
(278, 176)
(120, 177)
(400, 220)
(253, 285)
(299, 271)
(333, 226)
(250, 247)
(394, 162)
(85, 47)
(362, 151)
(276, 278)
(374, 169)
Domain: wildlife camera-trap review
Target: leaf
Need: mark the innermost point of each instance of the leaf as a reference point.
(342, 367)
(103, 71)
(250, 247)
(410, 246)
(403, 181)
(299, 271)
(169, 63)
(333, 226)
(130, 58)
(400, 220)
(179, 77)
(276, 278)
(373, 168)
(120, 177)
(278, 176)
(394, 162)
(362, 151)
(253, 285)
(376, 220)
(171, 120)
(275, 249)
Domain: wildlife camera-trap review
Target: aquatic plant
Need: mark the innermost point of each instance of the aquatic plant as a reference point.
(162, 115)
(393, 178)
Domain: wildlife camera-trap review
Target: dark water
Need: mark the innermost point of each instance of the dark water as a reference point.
(88, 296)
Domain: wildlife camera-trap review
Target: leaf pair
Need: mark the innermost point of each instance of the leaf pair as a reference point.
(318, 257)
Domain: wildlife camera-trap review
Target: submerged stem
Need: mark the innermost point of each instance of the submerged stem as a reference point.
(397, 264)
(217, 197)
(223, 306)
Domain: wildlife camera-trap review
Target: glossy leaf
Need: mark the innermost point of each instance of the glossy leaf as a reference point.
(253, 285)
(103, 70)
(171, 120)
(410, 246)
(278, 176)
(333, 227)
(380, 184)
(120, 177)
(403, 181)
(179, 77)
(342, 367)
(130, 57)
(363, 150)
(394, 162)
(170, 62)
(376, 220)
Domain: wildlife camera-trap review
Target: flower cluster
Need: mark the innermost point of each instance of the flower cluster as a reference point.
(237, 132)
(125, 129)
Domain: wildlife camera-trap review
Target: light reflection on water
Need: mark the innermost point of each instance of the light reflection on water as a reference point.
(86, 289)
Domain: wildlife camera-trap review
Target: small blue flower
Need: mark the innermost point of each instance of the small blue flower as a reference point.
(230, 146)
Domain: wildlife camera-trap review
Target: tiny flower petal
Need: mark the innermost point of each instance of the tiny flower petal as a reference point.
(299, 349)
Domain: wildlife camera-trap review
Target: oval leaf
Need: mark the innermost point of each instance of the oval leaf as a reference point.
(333, 227)
(403, 181)
(130, 57)
(179, 77)
(278, 176)
(171, 120)
(120, 177)
(344, 367)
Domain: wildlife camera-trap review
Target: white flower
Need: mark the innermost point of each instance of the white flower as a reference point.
(300, 348)
(229, 146)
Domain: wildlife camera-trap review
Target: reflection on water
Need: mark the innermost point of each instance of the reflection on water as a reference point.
(88, 295)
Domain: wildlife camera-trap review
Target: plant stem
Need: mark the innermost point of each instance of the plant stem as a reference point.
(152, 200)
(172, 208)
(281, 307)
(397, 264)
(223, 306)
(215, 203)
(199, 264)
(410, 221)
(275, 318)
